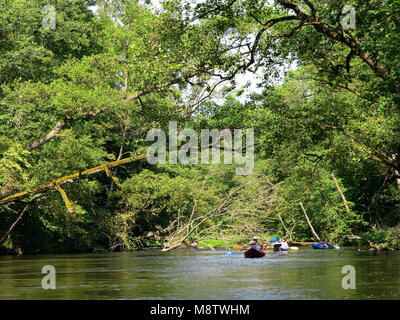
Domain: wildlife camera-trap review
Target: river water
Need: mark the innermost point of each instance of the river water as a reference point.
(202, 274)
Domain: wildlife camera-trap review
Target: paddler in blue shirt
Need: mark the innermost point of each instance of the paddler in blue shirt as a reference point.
(326, 243)
(256, 245)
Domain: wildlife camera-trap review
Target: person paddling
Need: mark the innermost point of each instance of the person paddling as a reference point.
(326, 243)
(323, 243)
(277, 245)
(255, 244)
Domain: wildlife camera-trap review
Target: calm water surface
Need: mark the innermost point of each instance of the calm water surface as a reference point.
(202, 274)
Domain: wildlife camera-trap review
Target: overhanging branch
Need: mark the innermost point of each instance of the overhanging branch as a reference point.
(69, 178)
(337, 34)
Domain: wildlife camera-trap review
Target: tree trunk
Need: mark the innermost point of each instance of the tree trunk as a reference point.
(341, 193)
(13, 225)
(309, 223)
(57, 128)
(283, 224)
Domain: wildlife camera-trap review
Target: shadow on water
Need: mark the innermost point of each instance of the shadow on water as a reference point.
(202, 274)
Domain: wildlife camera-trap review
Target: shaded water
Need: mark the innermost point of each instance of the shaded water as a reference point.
(201, 274)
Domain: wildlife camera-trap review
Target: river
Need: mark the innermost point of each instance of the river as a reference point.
(202, 274)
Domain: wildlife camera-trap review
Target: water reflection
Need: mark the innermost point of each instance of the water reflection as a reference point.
(201, 274)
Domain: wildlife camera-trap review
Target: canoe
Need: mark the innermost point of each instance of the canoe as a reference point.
(318, 246)
(254, 253)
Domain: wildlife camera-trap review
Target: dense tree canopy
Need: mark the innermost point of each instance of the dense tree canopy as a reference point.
(77, 100)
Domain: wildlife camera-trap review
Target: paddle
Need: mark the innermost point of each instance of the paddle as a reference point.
(237, 251)
(234, 252)
(230, 253)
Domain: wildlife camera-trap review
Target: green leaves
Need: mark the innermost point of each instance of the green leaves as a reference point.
(88, 91)
(29, 52)
(13, 165)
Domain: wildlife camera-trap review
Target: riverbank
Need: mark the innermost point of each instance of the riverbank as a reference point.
(381, 240)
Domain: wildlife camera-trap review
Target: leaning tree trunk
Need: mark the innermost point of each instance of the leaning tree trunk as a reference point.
(309, 222)
(341, 193)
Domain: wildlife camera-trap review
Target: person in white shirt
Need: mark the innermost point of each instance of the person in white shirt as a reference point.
(284, 245)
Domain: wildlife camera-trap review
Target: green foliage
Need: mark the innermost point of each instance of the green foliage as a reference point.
(29, 52)
(393, 237)
(388, 238)
(97, 83)
(13, 162)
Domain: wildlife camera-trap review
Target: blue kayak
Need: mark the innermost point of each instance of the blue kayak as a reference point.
(319, 246)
